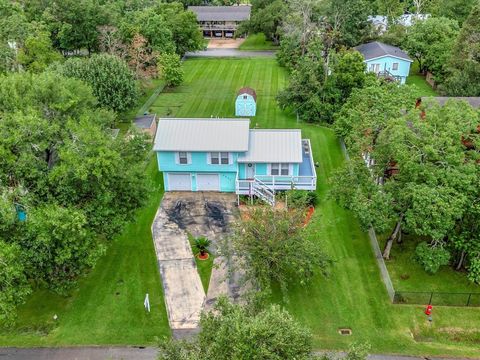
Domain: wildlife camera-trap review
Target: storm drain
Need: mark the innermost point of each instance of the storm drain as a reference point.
(345, 331)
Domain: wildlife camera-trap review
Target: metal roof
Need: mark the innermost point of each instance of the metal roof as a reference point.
(473, 101)
(221, 13)
(249, 91)
(377, 49)
(274, 146)
(202, 135)
(144, 121)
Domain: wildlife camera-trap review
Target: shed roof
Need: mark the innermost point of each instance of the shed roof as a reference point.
(221, 13)
(249, 91)
(145, 121)
(473, 101)
(202, 135)
(274, 146)
(375, 49)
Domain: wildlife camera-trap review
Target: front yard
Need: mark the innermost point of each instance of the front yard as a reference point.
(353, 296)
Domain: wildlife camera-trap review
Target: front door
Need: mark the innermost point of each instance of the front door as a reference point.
(250, 173)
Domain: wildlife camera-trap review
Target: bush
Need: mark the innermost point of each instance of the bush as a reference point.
(431, 257)
(300, 198)
(170, 69)
(474, 270)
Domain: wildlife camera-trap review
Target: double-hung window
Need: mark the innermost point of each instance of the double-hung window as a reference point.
(395, 66)
(182, 157)
(280, 169)
(217, 158)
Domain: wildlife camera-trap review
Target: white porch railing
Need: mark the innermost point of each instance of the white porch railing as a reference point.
(244, 187)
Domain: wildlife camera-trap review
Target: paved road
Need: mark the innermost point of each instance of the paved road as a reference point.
(230, 53)
(131, 353)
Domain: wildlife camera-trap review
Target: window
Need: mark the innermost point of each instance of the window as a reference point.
(214, 158)
(217, 158)
(245, 97)
(224, 158)
(182, 157)
(280, 169)
(395, 66)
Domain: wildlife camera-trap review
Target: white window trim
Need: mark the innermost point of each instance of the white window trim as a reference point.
(209, 158)
(177, 158)
(290, 169)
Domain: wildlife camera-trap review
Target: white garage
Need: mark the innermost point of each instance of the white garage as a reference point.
(179, 182)
(208, 182)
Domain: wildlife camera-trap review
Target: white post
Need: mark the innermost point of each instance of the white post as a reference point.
(146, 303)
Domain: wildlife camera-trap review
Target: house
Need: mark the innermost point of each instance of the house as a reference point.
(386, 60)
(225, 155)
(246, 102)
(220, 21)
(380, 22)
(146, 123)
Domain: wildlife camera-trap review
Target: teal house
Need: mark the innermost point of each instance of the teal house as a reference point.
(246, 102)
(225, 155)
(386, 61)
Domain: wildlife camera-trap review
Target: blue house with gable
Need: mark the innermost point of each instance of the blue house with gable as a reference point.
(225, 155)
(246, 102)
(386, 60)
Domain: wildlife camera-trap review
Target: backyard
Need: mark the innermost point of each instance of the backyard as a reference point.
(352, 296)
(257, 42)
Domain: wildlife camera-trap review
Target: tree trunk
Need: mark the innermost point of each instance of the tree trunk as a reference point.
(460, 262)
(393, 236)
(399, 238)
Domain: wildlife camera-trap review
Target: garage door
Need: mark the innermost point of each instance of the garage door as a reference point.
(208, 182)
(179, 182)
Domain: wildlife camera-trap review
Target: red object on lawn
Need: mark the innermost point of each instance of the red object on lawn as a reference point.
(428, 310)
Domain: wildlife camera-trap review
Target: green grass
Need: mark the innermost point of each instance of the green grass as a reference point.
(418, 79)
(204, 267)
(353, 295)
(408, 275)
(107, 305)
(257, 42)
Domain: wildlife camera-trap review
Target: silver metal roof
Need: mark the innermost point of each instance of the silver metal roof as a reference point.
(221, 13)
(202, 135)
(274, 146)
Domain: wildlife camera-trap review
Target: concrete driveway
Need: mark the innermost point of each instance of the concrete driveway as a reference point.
(200, 214)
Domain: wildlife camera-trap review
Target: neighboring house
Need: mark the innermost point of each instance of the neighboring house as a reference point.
(380, 22)
(147, 124)
(386, 60)
(226, 155)
(246, 102)
(220, 21)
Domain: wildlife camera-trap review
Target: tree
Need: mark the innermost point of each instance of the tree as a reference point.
(453, 9)
(170, 69)
(141, 59)
(424, 190)
(14, 287)
(430, 42)
(112, 82)
(235, 332)
(267, 17)
(463, 75)
(37, 52)
(275, 248)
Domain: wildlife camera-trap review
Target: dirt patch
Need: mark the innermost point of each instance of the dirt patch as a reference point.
(225, 43)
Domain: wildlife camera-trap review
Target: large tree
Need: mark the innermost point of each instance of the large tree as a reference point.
(112, 82)
(419, 174)
(463, 75)
(431, 42)
(275, 248)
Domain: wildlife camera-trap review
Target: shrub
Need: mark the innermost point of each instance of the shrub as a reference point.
(431, 257)
(300, 198)
(474, 270)
(201, 244)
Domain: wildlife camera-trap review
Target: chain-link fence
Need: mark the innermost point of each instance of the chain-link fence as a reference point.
(437, 298)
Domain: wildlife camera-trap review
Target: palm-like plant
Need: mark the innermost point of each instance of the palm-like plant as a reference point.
(201, 244)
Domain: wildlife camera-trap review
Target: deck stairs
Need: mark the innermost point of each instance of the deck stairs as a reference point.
(264, 192)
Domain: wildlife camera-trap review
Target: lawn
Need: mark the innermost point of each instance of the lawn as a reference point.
(353, 295)
(257, 42)
(418, 79)
(107, 305)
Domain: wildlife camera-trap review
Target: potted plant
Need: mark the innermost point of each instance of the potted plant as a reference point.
(201, 244)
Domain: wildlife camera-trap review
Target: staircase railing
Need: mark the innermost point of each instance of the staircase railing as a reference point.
(263, 191)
